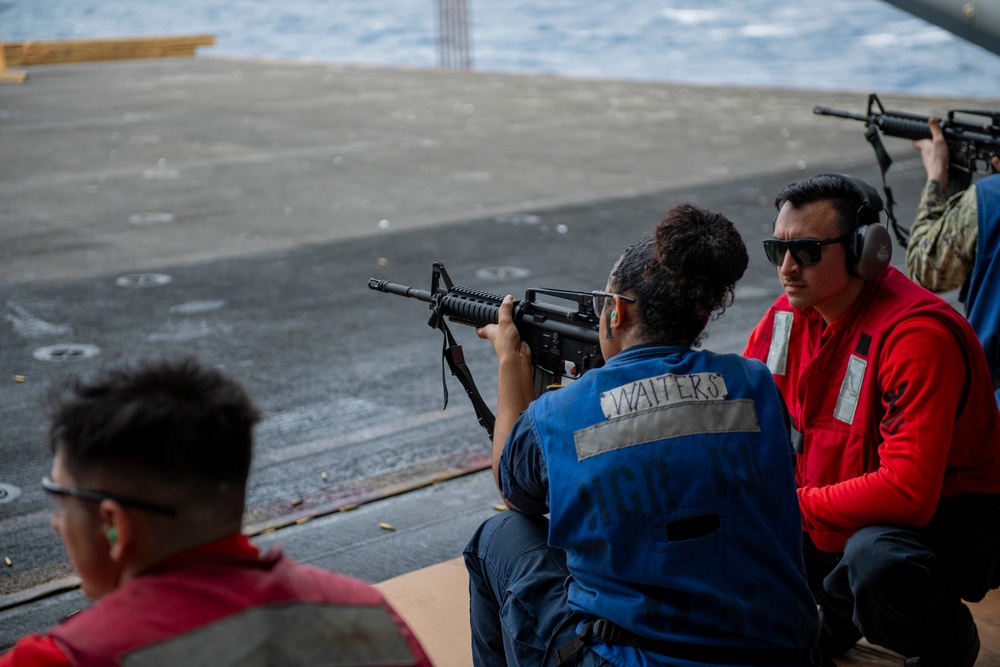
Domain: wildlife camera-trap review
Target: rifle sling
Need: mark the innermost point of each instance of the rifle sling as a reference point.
(452, 352)
(884, 162)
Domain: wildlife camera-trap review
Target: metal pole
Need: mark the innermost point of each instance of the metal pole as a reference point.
(464, 33)
(453, 35)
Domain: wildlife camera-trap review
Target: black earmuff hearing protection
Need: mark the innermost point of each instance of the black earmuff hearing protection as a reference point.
(869, 249)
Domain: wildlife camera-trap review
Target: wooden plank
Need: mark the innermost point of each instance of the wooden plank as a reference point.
(434, 602)
(13, 76)
(9, 75)
(47, 52)
(987, 615)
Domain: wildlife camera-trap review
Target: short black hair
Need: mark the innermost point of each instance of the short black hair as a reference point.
(847, 200)
(170, 418)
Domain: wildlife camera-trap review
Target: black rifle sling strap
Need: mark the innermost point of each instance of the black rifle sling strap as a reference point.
(884, 162)
(452, 352)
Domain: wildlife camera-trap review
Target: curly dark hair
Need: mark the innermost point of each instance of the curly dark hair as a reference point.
(682, 274)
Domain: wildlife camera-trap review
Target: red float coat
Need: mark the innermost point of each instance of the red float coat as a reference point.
(895, 404)
(223, 604)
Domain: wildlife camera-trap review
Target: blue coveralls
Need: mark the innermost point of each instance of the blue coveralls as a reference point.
(982, 307)
(667, 474)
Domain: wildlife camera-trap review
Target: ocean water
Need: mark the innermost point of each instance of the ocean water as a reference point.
(856, 45)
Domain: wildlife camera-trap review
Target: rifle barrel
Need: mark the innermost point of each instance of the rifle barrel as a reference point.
(400, 290)
(827, 111)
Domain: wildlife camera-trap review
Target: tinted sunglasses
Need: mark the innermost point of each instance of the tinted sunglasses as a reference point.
(805, 252)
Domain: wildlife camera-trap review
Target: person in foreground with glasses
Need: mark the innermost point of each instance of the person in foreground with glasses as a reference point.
(898, 460)
(148, 482)
(673, 533)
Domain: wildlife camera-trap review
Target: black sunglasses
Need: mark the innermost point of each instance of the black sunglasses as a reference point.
(98, 496)
(805, 252)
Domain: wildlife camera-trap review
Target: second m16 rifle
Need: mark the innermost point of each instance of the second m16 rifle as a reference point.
(973, 138)
(564, 340)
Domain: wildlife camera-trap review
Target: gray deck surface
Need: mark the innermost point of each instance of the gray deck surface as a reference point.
(269, 193)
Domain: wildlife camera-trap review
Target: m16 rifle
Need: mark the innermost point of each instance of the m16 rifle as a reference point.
(564, 340)
(973, 138)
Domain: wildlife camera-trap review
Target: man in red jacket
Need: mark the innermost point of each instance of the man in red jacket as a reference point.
(898, 461)
(148, 484)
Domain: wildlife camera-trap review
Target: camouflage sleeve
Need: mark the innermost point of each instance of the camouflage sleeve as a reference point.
(942, 245)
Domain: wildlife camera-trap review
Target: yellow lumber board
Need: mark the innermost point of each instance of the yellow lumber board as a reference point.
(9, 75)
(46, 52)
(13, 76)
(434, 602)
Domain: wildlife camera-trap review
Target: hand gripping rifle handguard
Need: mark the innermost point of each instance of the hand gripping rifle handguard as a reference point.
(973, 138)
(564, 341)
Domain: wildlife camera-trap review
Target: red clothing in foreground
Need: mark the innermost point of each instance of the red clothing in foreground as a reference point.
(894, 401)
(227, 600)
(34, 651)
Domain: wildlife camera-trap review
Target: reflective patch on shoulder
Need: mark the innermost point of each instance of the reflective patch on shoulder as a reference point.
(292, 635)
(850, 390)
(655, 392)
(669, 421)
(777, 356)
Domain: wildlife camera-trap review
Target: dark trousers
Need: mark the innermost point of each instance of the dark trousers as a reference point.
(904, 586)
(517, 595)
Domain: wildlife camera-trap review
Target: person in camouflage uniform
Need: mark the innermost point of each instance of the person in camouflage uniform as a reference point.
(942, 248)
(954, 242)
